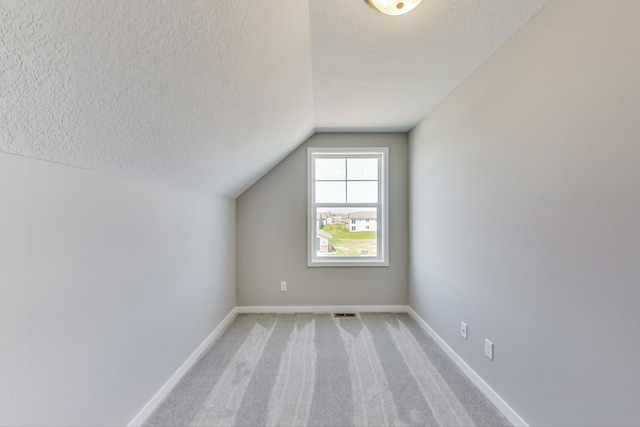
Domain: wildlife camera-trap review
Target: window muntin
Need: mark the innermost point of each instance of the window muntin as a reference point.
(347, 206)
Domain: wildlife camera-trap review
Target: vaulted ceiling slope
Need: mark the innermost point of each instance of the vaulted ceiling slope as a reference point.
(211, 94)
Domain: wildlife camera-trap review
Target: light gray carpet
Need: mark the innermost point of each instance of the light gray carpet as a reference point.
(314, 370)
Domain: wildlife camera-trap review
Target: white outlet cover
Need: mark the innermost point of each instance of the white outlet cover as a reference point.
(488, 349)
(463, 330)
(283, 286)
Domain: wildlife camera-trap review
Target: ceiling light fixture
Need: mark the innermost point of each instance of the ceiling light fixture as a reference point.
(393, 7)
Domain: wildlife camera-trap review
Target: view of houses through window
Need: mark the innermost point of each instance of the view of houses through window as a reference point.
(347, 231)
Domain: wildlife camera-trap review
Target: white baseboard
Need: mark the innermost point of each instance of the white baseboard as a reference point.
(324, 309)
(171, 382)
(485, 388)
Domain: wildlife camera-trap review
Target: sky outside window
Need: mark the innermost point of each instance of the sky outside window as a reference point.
(346, 180)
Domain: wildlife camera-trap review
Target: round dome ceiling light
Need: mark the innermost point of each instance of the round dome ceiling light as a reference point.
(393, 7)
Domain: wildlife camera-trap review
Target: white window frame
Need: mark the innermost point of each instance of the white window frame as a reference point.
(382, 258)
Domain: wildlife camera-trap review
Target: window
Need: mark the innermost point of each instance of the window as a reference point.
(348, 208)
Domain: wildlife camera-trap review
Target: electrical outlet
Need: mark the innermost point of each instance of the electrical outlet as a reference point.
(283, 286)
(488, 349)
(463, 330)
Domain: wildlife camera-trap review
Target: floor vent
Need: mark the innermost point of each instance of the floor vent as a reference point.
(344, 315)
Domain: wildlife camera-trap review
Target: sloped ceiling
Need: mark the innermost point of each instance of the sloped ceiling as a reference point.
(375, 72)
(210, 94)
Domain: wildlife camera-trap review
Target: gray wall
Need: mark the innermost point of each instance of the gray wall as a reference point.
(272, 236)
(107, 285)
(525, 216)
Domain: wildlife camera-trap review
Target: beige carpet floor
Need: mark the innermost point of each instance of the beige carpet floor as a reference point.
(315, 370)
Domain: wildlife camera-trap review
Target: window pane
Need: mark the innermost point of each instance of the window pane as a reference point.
(362, 168)
(330, 192)
(346, 232)
(330, 169)
(362, 192)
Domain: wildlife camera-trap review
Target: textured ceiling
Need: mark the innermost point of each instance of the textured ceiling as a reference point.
(211, 94)
(375, 72)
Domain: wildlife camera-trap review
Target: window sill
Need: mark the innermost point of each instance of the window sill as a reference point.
(348, 263)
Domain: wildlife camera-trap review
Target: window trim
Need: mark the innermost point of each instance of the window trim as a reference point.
(382, 260)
